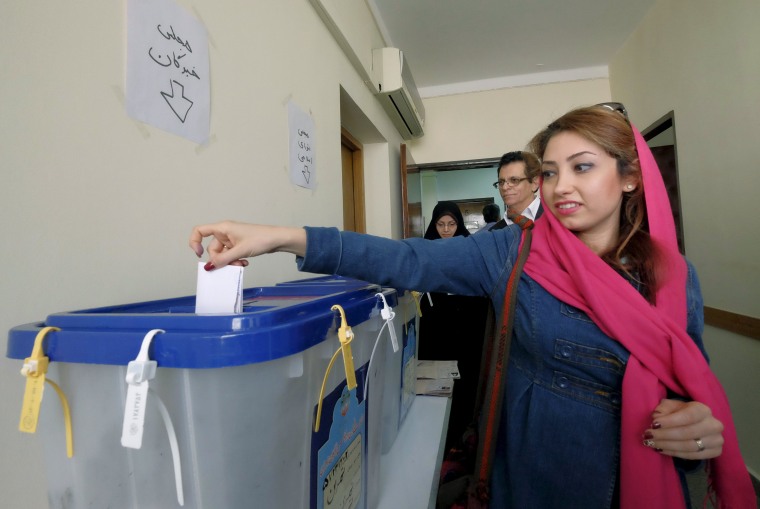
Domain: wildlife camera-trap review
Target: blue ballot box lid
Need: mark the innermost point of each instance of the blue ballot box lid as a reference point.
(276, 321)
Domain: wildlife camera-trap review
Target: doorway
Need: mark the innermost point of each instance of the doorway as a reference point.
(661, 138)
(470, 203)
(352, 164)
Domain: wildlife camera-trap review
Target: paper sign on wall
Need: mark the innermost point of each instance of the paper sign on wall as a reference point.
(303, 168)
(167, 69)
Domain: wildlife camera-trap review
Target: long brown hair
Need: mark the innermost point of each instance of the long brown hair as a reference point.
(634, 253)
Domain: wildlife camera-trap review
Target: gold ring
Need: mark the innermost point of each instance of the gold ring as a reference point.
(700, 445)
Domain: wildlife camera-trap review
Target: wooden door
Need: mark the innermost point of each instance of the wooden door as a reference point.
(352, 163)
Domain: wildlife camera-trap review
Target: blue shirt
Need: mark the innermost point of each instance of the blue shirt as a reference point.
(559, 436)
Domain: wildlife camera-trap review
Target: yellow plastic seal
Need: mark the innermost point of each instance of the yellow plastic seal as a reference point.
(417, 296)
(35, 370)
(345, 336)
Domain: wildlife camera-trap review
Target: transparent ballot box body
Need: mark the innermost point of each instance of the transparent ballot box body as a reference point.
(241, 391)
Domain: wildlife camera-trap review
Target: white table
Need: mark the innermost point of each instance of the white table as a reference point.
(409, 472)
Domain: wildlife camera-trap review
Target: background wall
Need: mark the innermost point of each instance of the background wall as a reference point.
(488, 124)
(96, 208)
(701, 59)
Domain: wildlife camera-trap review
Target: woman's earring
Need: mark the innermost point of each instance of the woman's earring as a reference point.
(629, 186)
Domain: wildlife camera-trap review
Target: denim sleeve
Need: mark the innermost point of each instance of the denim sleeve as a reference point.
(695, 317)
(460, 265)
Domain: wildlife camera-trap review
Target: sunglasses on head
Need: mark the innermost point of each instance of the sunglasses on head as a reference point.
(612, 106)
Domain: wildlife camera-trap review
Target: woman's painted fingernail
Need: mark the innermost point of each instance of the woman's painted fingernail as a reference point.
(648, 434)
(649, 443)
(208, 267)
(656, 425)
(658, 449)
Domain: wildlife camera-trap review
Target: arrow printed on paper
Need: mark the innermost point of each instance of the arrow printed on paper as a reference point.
(306, 174)
(179, 104)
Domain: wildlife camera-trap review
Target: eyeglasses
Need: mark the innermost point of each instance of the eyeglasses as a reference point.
(511, 182)
(615, 107)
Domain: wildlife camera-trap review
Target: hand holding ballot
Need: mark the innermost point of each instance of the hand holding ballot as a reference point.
(233, 242)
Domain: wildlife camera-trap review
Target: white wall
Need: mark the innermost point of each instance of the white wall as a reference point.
(488, 124)
(701, 59)
(96, 208)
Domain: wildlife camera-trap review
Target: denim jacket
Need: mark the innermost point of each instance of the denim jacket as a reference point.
(559, 436)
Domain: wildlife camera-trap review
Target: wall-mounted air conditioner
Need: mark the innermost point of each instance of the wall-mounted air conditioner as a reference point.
(397, 91)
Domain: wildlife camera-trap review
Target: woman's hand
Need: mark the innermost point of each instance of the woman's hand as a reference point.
(232, 242)
(685, 430)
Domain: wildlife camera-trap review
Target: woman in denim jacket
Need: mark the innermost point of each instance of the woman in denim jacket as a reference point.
(608, 389)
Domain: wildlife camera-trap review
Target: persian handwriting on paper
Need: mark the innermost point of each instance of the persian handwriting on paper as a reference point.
(167, 68)
(174, 59)
(302, 145)
(178, 103)
(170, 36)
(302, 157)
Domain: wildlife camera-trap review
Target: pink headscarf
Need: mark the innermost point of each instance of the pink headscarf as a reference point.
(663, 356)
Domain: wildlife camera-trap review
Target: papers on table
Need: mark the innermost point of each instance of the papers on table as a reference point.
(436, 378)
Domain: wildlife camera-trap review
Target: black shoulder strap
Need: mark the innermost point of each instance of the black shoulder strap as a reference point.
(497, 357)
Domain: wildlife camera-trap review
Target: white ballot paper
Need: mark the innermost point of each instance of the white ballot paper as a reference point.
(219, 290)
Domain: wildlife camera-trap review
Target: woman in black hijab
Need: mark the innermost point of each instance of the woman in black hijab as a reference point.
(444, 214)
(452, 327)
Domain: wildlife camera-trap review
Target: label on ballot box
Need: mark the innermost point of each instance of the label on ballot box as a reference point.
(339, 459)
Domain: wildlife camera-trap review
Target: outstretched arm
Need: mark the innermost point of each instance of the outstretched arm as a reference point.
(461, 265)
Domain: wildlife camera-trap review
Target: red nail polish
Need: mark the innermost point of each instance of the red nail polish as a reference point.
(648, 435)
(656, 425)
(208, 267)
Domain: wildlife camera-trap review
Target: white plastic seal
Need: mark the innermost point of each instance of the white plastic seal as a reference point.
(388, 315)
(139, 372)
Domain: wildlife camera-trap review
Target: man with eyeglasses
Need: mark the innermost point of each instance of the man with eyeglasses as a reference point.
(518, 186)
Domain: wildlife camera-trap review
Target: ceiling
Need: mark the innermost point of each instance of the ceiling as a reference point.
(455, 46)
